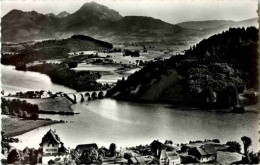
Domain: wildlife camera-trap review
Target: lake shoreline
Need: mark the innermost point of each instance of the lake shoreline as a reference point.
(182, 105)
(14, 126)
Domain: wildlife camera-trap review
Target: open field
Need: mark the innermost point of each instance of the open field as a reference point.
(13, 126)
(52, 104)
(228, 157)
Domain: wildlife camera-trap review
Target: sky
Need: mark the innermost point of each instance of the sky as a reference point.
(172, 11)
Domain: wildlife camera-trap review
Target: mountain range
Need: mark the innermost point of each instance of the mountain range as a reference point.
(213, 24)
(106, 24)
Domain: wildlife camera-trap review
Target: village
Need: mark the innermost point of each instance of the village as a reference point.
(53, 151)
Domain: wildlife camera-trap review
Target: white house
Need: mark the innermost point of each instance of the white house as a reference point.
(51, 143)
(173, 158)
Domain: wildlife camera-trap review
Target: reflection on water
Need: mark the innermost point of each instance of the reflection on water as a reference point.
(129, 124)
(14, 81)
(126, 123)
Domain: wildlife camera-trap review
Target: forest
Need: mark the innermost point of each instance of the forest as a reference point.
(62, 74)
(213, 72)
(19, 108)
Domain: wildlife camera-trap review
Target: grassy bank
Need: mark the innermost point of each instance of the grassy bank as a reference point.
(52, 104)
(13, 126)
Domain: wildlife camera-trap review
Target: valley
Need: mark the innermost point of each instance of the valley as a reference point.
(97, 75)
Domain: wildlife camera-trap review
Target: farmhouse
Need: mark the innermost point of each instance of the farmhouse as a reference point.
(205, 153)
(51, 144)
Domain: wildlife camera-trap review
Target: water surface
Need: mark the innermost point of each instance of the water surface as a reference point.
(130, 124)
(126, 123)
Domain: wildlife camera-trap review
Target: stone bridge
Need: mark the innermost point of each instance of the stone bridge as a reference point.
(85, 96)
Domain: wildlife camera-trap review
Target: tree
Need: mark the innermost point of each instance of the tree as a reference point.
(234, 146)
(247, 143)
(93, 153)
(168, 142)
(228, 96)
(13, 157)
(112, 149)
(127, 155)
(5, 110)
(208, 95)
(90, 156)
(254, 157)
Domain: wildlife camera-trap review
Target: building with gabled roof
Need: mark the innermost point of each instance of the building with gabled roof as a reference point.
(173, 158)
(206, 153)
(51, 143)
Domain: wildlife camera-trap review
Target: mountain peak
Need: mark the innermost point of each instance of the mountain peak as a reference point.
(13, 13)
(50, 15)
(99, 11)
(63, 14)
(92, 3)
(19, 14)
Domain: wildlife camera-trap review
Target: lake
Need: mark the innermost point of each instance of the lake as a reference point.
(127, 123)
(19, 81)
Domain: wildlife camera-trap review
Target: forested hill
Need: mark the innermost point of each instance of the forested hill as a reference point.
(53, 49)
(75, 43)
(214, 70)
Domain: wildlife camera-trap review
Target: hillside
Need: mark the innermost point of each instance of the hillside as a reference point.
(140, 28)
(22, 26)
(211, 71)
(53, 49)
(19, 26)
(217, 26)
(75, 43)
(212, 24)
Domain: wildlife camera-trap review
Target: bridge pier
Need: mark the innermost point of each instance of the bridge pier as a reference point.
(82, 97)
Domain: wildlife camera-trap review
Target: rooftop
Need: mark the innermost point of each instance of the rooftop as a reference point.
(51, 137)
(206, 150)
(83, 147)
(173, 155)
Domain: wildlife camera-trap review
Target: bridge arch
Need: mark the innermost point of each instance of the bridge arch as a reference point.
(94, 95)
(101, 94)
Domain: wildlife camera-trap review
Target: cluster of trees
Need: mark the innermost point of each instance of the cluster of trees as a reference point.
(211, 73)
(140, 62)
(90, 156)
(206, 140)
(26, 156)
(29, 55)
(234, 146)
(19, 108)
(54, 49)
(128, 52)
(72, 64)
(249, 156)
(62, 74)
(150, 73)
(113, 50)
(95, 156)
